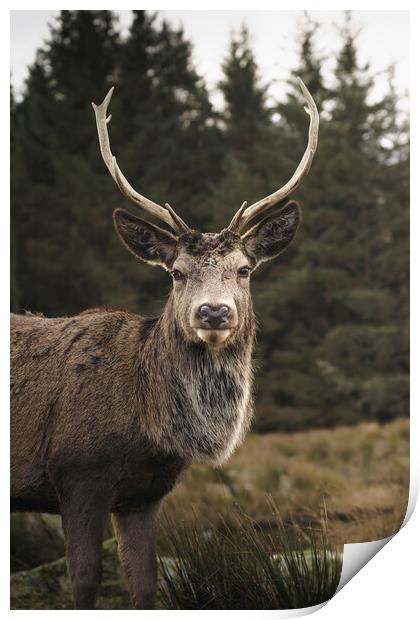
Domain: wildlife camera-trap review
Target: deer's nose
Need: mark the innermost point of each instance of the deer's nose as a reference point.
(213, 317)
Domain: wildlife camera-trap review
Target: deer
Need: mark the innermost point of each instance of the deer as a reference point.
(110, 408)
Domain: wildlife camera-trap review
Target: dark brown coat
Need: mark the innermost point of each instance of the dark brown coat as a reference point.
(109, 408)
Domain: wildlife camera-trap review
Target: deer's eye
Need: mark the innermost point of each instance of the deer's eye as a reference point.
(244, 272)
(177, 275)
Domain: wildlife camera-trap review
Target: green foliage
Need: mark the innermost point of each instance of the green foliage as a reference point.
(241, 566)
(335, 325)
(246, 114)
(333, 311)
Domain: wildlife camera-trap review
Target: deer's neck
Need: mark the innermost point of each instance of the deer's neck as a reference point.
(200, 401)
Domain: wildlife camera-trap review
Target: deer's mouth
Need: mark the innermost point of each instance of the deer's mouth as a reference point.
(213, 337)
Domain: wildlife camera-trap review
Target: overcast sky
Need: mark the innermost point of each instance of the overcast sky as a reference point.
(383, 39)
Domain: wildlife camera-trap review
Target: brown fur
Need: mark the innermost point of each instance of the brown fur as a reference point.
(109, 408)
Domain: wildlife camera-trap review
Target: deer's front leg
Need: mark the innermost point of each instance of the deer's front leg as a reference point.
(84, 509)
(136, 533)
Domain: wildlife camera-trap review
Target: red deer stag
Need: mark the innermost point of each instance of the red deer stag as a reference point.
(108, 407)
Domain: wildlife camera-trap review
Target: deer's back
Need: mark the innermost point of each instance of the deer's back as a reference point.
(69, 360)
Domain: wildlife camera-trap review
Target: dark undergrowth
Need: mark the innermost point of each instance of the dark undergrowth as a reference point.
(238, 565)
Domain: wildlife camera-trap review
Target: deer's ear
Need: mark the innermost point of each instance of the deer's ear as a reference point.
(146, 241)
(272, 235)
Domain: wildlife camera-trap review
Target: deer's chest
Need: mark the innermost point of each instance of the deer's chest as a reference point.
(211, 411)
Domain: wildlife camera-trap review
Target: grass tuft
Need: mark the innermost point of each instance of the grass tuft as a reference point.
(241, 565)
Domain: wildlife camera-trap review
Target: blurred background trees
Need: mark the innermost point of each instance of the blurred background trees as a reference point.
(333, 311)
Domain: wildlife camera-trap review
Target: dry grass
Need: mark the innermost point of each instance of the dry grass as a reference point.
(360, 474)
(266, 530)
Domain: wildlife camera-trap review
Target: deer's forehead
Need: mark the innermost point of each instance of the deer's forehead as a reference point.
(210, 249)
(198, 251)
(209, 244)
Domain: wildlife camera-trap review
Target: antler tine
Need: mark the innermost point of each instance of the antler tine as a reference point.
(237, 217)
(101, 125)
(167, 215)
(182, 226)
(243, 217)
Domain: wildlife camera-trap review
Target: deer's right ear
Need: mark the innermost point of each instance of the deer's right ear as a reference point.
(146, 241)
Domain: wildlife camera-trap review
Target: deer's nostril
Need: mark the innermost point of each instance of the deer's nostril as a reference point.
(213, 316)
(204, 311)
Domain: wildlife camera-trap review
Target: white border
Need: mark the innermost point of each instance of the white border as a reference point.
(387, 586)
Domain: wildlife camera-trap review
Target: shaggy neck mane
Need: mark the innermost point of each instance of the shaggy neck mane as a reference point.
(202, 398)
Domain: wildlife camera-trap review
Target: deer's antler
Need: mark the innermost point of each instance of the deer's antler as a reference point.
(166, 214)
(245, 214)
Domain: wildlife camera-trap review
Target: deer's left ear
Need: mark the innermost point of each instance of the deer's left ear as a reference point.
(271, 236)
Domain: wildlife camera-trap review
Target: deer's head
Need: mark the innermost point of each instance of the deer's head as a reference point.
(210, 271)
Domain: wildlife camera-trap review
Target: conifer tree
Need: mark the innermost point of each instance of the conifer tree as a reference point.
(33, 187)
(288, 297)
(247, 142)
(60, 207)
(360, 346)
(245, 98)
(340, 352)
